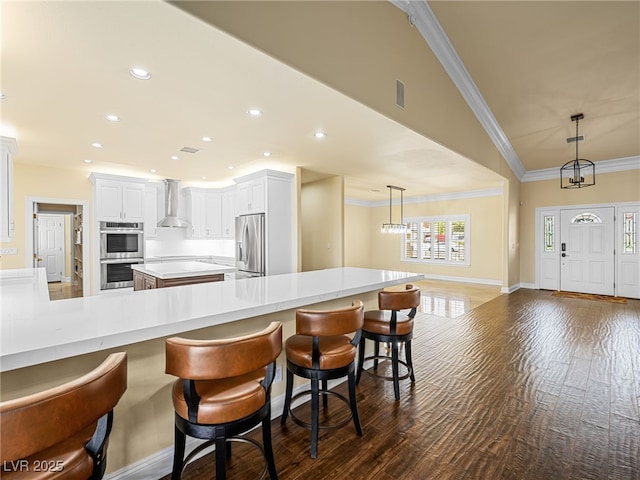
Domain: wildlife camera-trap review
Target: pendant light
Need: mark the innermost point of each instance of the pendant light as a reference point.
(395, 227)
(578, 173)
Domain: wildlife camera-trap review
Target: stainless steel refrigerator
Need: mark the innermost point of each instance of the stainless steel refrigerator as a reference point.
(250, 248)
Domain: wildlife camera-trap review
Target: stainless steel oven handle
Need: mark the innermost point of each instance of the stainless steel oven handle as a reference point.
(122, 260)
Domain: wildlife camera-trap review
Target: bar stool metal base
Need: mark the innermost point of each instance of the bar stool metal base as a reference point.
(325, 426)
(212, 443)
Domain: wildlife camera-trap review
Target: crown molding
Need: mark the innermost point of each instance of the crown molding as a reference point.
(492, 192)
(422, 17)
(603, 166)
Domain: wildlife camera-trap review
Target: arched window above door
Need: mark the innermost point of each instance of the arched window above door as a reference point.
(586, 217)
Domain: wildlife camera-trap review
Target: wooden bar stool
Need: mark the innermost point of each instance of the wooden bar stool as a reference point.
(391, 326)
(63, 432)
(322, 350)
(223, 391)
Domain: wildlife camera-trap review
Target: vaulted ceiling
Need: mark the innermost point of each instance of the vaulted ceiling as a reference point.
(65, 65)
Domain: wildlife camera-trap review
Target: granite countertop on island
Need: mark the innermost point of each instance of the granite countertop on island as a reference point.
(181, 269)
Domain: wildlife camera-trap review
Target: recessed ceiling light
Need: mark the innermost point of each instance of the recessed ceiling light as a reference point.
(112, 118)
(153, 170)
(254, 112)
(207, 139)
(266, 154)
(320, 135)
(230, 167)
(2, 96)
(204, 178)
(174, 157)
(139, 73)
(97, 145)
(86, 160)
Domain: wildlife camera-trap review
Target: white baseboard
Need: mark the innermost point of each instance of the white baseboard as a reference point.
(159, 464)
(482, 281)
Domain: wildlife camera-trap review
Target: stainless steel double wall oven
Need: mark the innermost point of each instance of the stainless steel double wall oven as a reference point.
(121, 245)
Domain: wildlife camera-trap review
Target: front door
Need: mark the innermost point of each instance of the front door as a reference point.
(50, 245)
(587, 250)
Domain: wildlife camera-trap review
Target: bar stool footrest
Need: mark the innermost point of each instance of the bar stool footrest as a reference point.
(325, 426)
(384, 377)
(209, 443)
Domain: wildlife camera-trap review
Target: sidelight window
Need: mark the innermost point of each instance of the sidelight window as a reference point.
(549, 233)
(629, 232)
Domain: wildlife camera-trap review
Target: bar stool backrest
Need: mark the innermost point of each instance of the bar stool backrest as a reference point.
(322, 323)
(400, 300)
(36, 422)
(192, 359)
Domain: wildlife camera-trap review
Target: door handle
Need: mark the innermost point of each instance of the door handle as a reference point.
(564, 254)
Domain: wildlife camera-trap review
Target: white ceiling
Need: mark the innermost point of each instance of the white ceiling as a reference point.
(65, 65)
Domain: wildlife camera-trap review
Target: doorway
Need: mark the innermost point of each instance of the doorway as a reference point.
(51, 250)
(589, 249)
(56, 241)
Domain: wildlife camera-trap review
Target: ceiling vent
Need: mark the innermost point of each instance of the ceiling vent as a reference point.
(189, 150)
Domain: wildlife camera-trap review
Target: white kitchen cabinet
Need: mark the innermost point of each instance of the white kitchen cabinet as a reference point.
(9, 147)
(118, 200)
(195, 210)
(229, 213)
(204, 211)
(213, 215)
(251, 196)
(150, 211)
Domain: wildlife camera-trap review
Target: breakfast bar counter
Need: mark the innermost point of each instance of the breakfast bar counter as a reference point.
(45, 343)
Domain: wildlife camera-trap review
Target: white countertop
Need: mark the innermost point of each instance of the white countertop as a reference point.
(35, 330)
(181, 269)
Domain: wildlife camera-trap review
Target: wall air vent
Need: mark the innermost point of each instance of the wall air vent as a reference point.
(400, 94)
(189, 150)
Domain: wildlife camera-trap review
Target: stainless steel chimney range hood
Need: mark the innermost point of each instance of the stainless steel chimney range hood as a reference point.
(171, 218)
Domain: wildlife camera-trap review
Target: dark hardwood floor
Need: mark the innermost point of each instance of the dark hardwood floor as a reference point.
(525, 386)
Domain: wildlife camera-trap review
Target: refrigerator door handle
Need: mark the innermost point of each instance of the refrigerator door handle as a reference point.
(239, 251)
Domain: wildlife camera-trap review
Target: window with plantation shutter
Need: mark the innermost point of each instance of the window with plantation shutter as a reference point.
(411, 241)
(437, 240)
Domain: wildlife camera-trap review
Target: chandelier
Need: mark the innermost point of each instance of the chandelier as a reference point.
(394, 227)
(578, 173)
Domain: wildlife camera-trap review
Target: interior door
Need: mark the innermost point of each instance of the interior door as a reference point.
(51, 245)
(587, 250)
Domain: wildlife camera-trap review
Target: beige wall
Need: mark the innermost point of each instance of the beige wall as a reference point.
(384, 251)
(322, 212)
(357, 241)
(610, 187)
(41, 182)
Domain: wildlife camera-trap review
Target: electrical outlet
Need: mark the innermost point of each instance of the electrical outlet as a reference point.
(278, 377)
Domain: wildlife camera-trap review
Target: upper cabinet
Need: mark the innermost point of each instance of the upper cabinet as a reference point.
(204, 211)
(229, 196)
(151, 193)
(118, 200)
(9, 149)
(250, 194)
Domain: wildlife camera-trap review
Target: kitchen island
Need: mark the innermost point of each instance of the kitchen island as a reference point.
(45, 343)
(147, 276)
